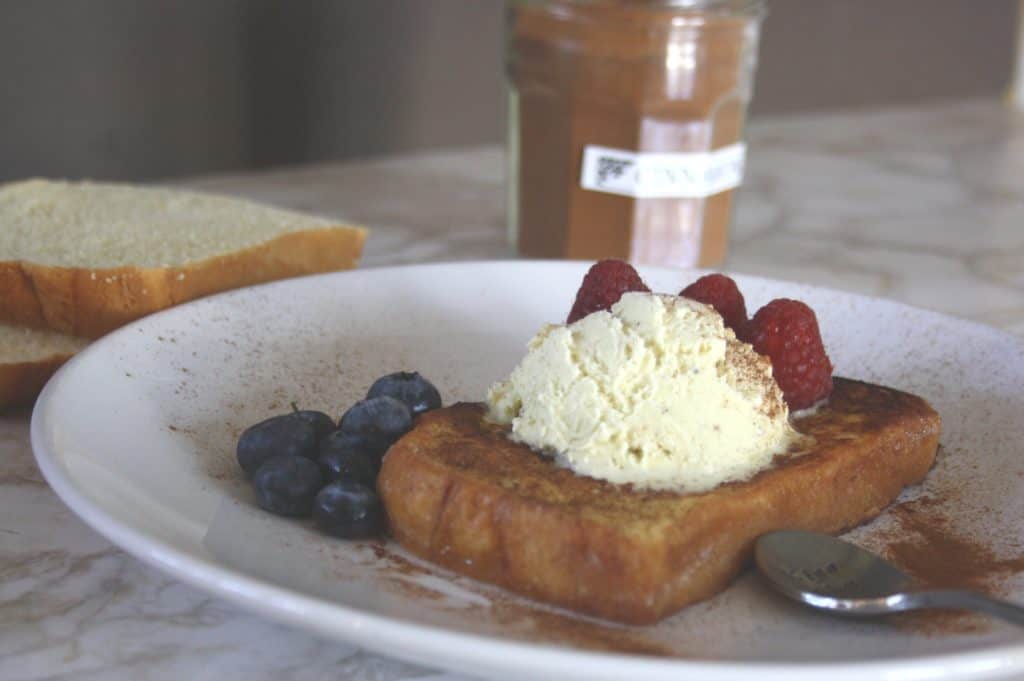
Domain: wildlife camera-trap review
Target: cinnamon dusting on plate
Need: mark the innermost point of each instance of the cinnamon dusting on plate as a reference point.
(928, 544)
(940, 557)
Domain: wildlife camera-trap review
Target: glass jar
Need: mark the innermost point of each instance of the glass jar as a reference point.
(625, 126)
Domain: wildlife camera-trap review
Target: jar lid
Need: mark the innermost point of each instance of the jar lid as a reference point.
(688, 4)
(743, 7)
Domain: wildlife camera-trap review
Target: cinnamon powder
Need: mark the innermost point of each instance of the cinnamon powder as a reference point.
(636, 75)
(929, 547)
(934, 553)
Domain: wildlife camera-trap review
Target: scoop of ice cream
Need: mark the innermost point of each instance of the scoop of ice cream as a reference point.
(656, 392)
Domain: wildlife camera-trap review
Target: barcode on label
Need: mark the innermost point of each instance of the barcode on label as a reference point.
(662, 175)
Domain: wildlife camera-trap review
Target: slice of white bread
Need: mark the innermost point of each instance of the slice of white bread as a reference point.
(85, 258)
(28, 357)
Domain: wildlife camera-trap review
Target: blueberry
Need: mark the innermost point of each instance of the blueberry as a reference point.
(418, 393)
(378, 421)
(285, 434)
(321, 422)
(372, 443)
(341, 459)
(286, 485)
(349, 510)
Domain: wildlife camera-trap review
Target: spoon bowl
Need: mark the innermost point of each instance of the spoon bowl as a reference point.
(828, 573)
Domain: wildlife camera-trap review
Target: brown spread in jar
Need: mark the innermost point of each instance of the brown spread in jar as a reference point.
(633, 75)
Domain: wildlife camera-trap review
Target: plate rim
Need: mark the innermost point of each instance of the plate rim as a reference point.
(431, 645)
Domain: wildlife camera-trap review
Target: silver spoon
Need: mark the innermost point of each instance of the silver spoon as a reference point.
(831, 574)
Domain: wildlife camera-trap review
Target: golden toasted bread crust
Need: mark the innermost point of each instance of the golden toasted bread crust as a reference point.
(20, 382)
(91, 302)
(459, 493)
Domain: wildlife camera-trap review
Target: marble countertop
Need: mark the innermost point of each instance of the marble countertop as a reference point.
(921, 205)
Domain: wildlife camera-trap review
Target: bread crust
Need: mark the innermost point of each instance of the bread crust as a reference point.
(92, 302)
(20, 382)
(462, 495)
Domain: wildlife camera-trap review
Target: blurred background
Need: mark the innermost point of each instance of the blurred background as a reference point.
(141, 89)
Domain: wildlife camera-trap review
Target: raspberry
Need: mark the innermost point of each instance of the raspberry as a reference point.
(721, 293)
(786, 331)
(603, 285)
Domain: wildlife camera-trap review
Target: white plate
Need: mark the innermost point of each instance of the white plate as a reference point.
(137, 435)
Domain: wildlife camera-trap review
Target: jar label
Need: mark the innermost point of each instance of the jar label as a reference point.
(657, 175)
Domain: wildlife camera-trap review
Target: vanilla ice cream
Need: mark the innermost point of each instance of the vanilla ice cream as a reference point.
(657, 393)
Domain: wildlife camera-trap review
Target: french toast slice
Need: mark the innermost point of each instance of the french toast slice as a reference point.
(461, 494)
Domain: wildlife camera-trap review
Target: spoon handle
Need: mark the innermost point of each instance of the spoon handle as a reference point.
(972, 600)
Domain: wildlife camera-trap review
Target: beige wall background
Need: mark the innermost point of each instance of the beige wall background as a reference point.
(139, 89)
